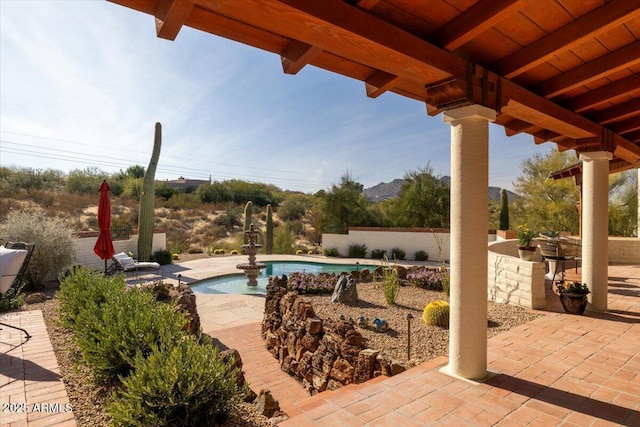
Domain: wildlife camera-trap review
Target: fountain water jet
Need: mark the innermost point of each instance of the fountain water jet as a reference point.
(252, 268)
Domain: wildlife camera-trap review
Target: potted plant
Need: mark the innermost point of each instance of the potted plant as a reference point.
(573, 296)
(526, 248)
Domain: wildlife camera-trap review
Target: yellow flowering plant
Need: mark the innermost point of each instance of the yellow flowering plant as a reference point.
(525, 235)
(570, 287)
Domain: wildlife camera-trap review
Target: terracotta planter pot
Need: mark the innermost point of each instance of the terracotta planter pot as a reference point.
(573, 303)
(526, 253)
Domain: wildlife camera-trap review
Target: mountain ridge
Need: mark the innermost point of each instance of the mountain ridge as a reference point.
(387, 190)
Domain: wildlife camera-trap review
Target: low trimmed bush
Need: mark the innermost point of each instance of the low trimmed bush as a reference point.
(357, 251)
(332, 252)
(131, 324)
(162, 257)
(421, 256)
(85, 290)
(378, 253)
(186, 385)
(399, 254)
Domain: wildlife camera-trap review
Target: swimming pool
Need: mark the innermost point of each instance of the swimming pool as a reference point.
(237, 283)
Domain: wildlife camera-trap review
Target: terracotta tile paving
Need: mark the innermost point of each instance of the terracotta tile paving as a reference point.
(559, 369)
(31, 390)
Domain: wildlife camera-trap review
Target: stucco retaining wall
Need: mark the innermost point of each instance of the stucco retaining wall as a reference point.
(624, 250)
(513, 280)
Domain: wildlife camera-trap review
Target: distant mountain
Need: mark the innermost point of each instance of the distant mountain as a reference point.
(386, 190)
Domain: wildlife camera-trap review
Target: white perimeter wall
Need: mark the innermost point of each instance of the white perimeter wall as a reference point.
(87, 258)
(409, 240)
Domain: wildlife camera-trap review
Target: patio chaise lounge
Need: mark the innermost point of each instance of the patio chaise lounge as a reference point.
(127, 264)
(14, 259)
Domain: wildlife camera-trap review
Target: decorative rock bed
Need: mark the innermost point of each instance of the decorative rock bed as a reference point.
(321, 354)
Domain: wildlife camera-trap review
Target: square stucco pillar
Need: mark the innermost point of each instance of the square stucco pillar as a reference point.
(595, 226)
(469, 253)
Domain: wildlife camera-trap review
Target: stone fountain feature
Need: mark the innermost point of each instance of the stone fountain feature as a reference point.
(252, 268)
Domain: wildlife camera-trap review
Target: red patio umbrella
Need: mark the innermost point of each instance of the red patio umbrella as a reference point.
(104, 245)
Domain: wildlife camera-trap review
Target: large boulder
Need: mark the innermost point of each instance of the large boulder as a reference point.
(345, 291)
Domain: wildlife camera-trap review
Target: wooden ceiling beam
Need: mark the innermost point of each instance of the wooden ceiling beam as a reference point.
(633, 137)
(380, 82)
(590, 71)
(476, 20)
(618, 112)
(296, 55)
(170, 17)
(517, 126)
(367, 4)
(610, 15)
(626, 126)
(605, 93)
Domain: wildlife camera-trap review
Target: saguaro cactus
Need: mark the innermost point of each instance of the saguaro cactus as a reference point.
(269, 232)
(248, 213)
(504, 210)
(147, 201)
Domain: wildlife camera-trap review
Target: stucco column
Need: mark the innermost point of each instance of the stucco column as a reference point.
(469, 226)
(595, 226)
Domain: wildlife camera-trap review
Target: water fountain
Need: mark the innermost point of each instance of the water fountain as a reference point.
(252, 268)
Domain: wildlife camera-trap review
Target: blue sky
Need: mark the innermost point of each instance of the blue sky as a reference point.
(82, 84)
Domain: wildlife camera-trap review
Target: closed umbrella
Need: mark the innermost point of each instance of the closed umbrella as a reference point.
(104, 245)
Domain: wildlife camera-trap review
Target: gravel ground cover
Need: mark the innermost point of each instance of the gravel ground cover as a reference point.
(427, 341)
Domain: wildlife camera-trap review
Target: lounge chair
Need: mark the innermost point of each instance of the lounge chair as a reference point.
(127, 264)
(14, 259)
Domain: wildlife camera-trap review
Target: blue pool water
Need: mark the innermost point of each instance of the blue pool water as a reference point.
(237, 283)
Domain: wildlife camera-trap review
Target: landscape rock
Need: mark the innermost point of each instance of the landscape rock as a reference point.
(345, 291)
(266, 404)
(35, 298)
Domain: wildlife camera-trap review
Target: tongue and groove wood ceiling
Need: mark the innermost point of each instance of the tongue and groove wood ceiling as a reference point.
(563, 71)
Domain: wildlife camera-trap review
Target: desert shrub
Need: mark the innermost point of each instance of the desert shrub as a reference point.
(131, 324)
(283, 239)
(424, 277)
(378, 253)
(186, 385)
(162, 257)
(85, 290)
(13, 298)
(446, 282)
(397, 253)
(390, 283)
(54, 244)
(421, 256)
(357, 251)
(332, 252)
(230, 218)
(436, 313)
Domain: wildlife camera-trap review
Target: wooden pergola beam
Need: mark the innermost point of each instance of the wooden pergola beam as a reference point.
(170, 16)
(380, 82)
(605, 93)
(598, 21)
(478, 19)
(296, 55)
(627, 126)
(590, 71)
(617, 113)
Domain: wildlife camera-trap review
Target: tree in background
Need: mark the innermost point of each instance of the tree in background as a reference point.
(504, 210)
(344, 205)
(85, 181)
(546, 204)
(147, 200)
(423, 200)
(623, 203)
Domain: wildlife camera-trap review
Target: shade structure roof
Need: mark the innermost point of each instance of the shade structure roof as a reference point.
(563, 71)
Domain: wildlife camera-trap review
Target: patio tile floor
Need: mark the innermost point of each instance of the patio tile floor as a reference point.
(559, 369)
